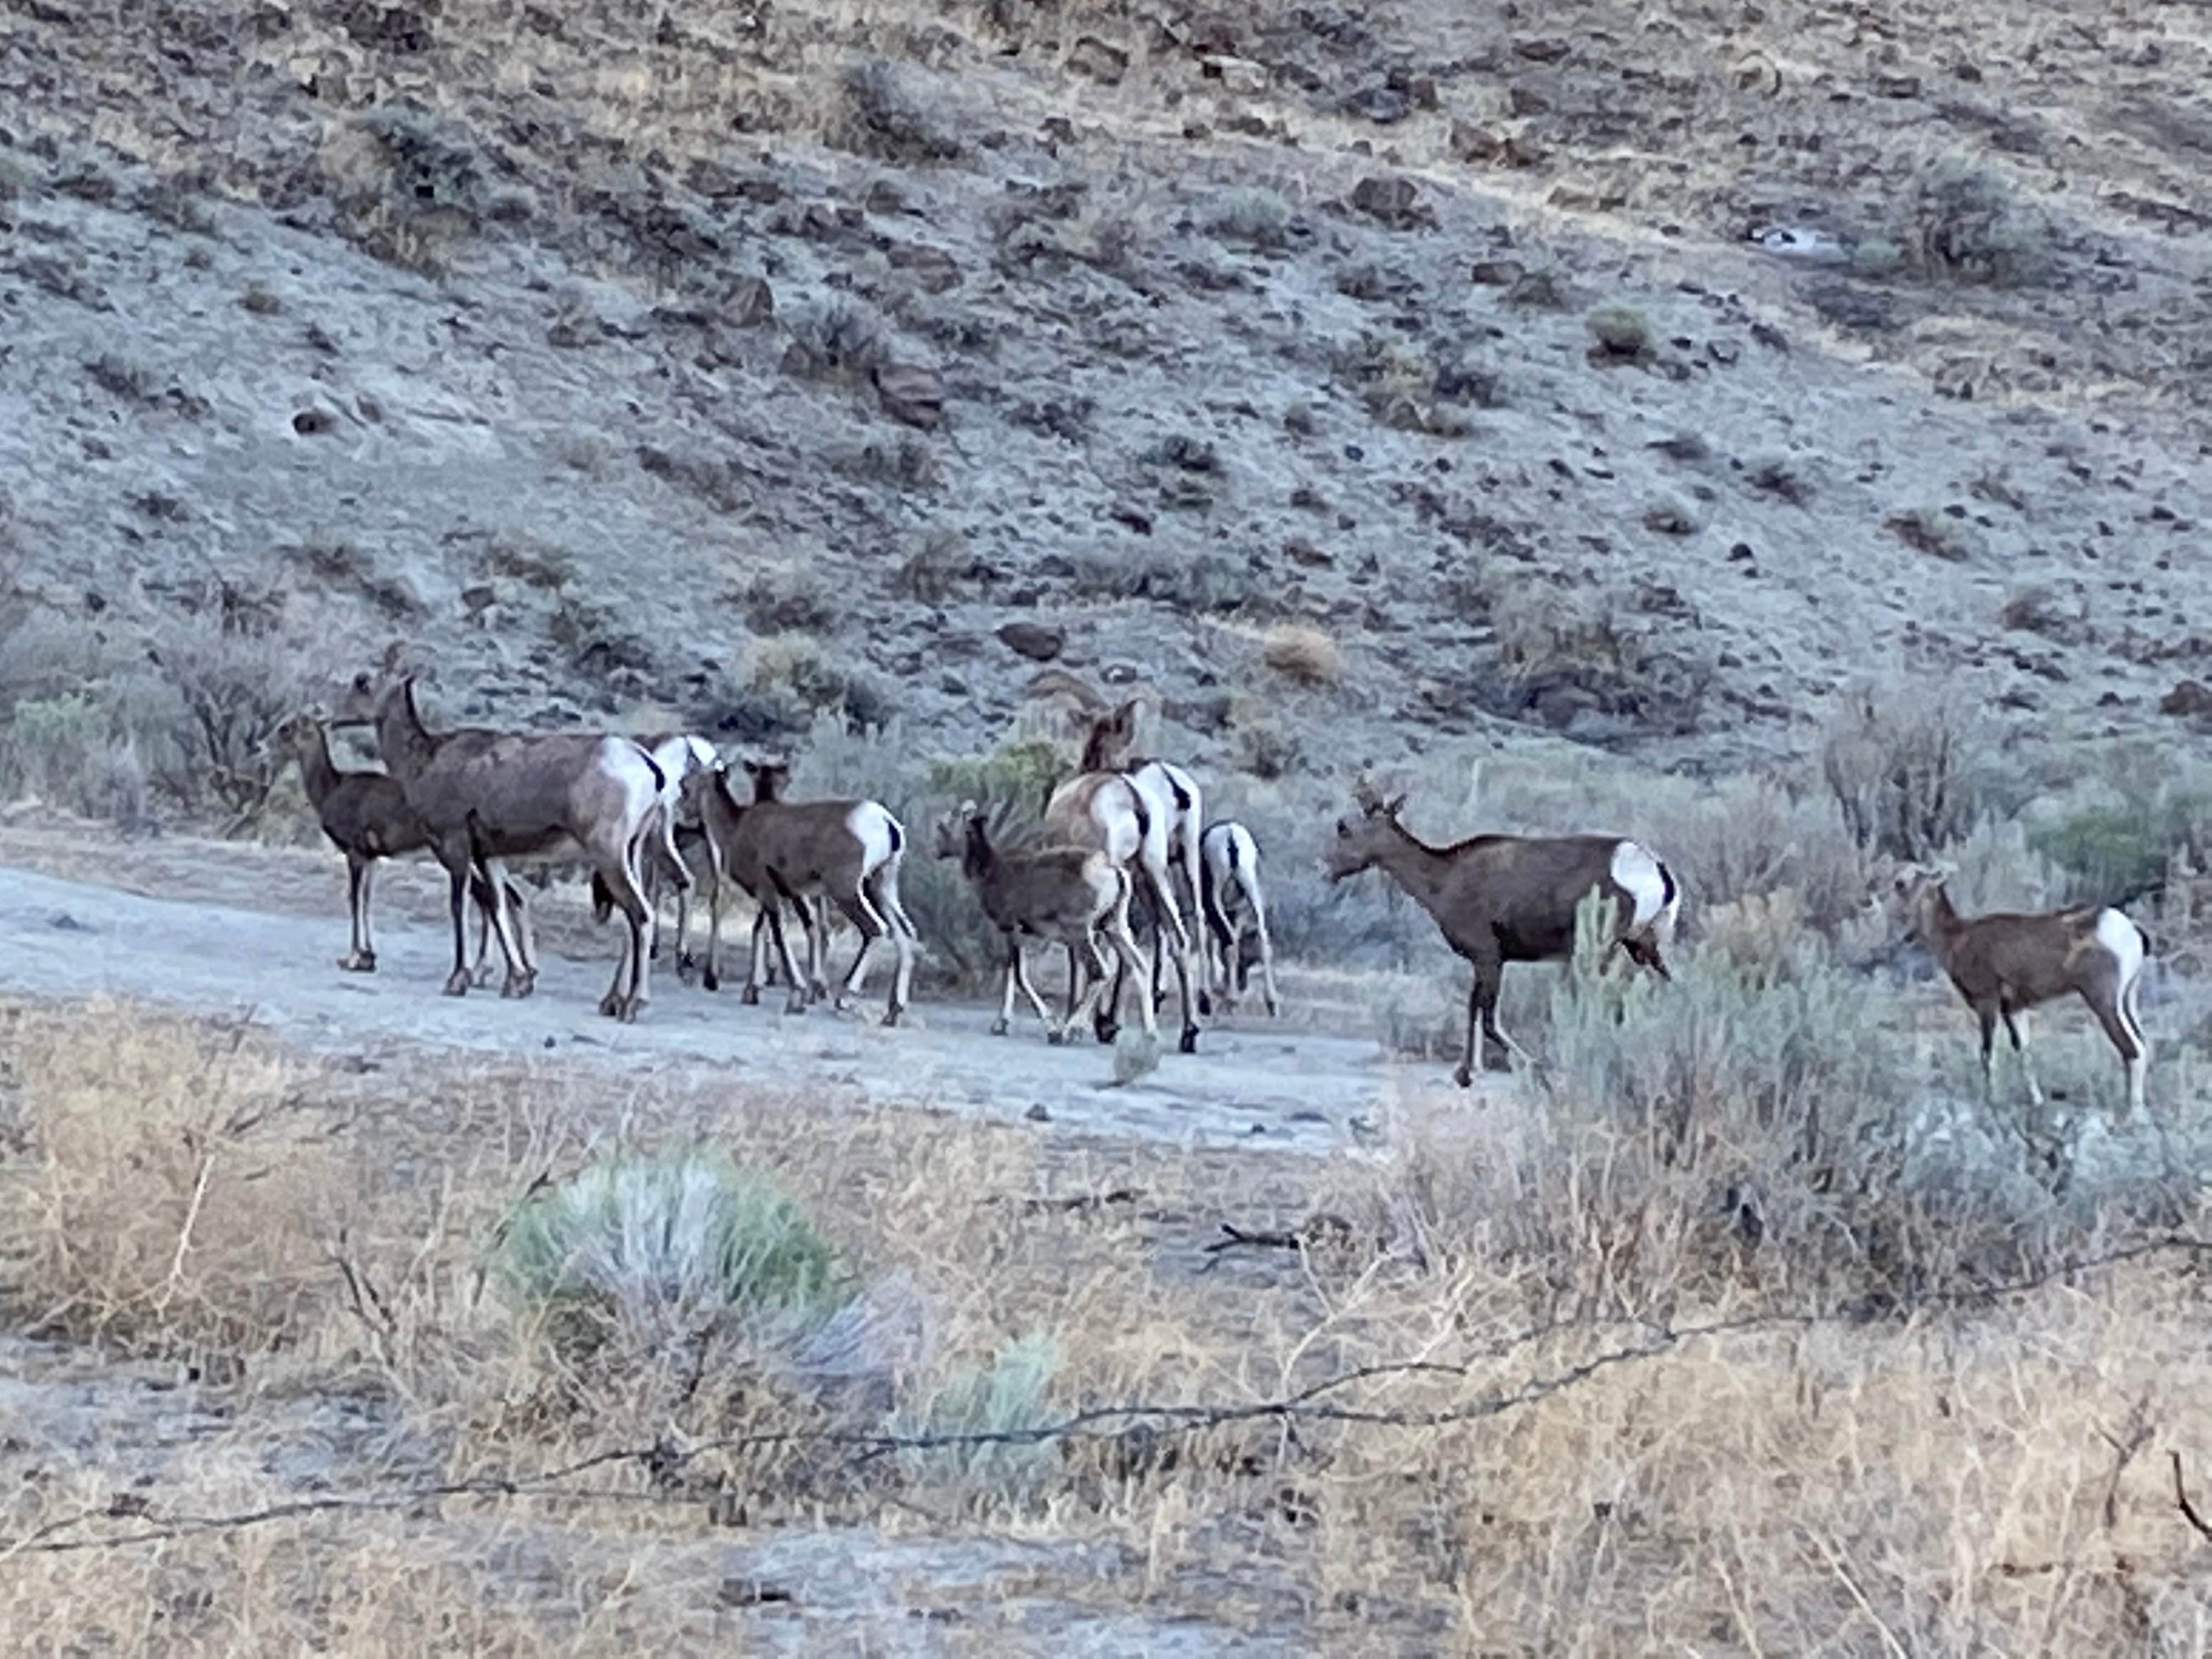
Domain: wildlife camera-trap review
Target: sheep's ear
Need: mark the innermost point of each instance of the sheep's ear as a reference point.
(752, 767)
(1391, 808)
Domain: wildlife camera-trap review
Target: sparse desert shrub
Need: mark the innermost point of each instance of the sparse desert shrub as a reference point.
(1737, 1126)
(410, 182)
(886, 116)
(905, 463)
(787, 601)
(202, 711)
(197, 1218)
(2039, 610)
(1622, 332)
(533, 563)
(1942, 533)
(1780, 476)
(800, 664)
(1750, 837)
(1673, 515)
(843, 341)
(1302, 652)
(1968, 222)
(1006, 1396)
(663, 1252)
(1621, 653)
(1908, 777)
(1256, 217)
(940, 568)
(1205, 583)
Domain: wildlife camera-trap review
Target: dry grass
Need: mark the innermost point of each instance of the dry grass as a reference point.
(1302, 653)
(1977, 1478)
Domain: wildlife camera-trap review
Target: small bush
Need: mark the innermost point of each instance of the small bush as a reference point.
(1618, 651)
(843, 341)
(1005, 1397)
(1943, 534)
(1908, 775)
(1302, 652)
(943, 567)
(1780, 475)
(1969, 223)
(1671, 515)
(1621, 331)
(655, 1252)
(786, 601)
(888, 119)
(1257, 218)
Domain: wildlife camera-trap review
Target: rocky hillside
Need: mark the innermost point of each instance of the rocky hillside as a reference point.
(1363, 379)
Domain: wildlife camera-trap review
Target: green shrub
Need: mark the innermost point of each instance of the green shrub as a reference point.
(656, 1250)
(1007, 1396)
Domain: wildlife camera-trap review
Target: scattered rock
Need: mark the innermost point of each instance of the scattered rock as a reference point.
(1497, 273)
(912, 393)
(1236, 74)
(1032, 640)
(310, 422)
(1101, 60)
(1393, 201)
(750, 303)
(934, 269)
(2189, 700)
(1549, 49)
(1037, 1114)
(1384, 105)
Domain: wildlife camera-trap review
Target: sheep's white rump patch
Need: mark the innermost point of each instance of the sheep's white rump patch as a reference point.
(879, 833)
(1642, 879)
(2124, 941)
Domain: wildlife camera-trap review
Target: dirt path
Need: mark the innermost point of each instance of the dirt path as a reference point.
(219, 950)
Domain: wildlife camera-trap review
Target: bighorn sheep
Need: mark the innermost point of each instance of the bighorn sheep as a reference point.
(366, 816)
(850, 850)
(1129, 816)
(2007, 962)
(1064, 895)
(486, 796)
(1229, 891)
(677, 754)
(1511, 898)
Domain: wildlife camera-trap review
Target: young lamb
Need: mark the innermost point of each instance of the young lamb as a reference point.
(2007, 962)
(1061, 895)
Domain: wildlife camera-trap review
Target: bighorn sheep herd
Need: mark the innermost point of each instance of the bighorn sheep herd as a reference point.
(1122, 843)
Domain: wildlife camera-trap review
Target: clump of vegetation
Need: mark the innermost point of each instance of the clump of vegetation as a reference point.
(1302, 653)
(1622, 333)
(1735, 1125)
(942, 568)
(197, 1217)
(1943, 534)
(1909, 775)
(886, 118)
(1618, 652)
(1780, 475)
(1968, 222)
(1007, 1396)
(1673, 515)
(842, 341)
(791, 600)
(1254, 217)
(798, 665)
(655, 1253)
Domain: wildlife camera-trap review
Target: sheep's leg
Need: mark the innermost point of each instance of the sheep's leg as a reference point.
(2016, 1024)
(1267, 954)
(884, 884)
(457, 879)
(1074, 983)
(1021, 965)
(631, 987)
(684, 966)
(861, 912)
(492, 884)
(1106, 1014)
(772, 913)
(1171, 920)
(711, 977)
(817, 982)
(1005, 1023)
(757, 971)
(1986, 1014)
(1094, 982)
(1482, 1016)
(1220, 941)
(361, 870)
(2125, 1034)
(1132, 966)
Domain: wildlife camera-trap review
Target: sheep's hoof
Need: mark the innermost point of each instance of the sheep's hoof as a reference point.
(998, 1028)
(891, 1017)
(629, 1010)
(1462, 1076)
(611, 1004)
(711, 980)
(749, 996)
(1106, 1030)
(796, 1006)
(1205, 1004)
(1057, 1038)
(1188, 1042)
(456, 983)
(686, 966)
(1274, 1009)
(358, 962)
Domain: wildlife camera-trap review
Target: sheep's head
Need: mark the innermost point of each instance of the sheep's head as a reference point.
(1112, 736)
(298, 735)
(368, 695)
(770, 777)
(1900, 891)
(691, 792)
(1361, 839)
(955, 828)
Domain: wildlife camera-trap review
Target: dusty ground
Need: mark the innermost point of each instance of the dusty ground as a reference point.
(216, 943)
